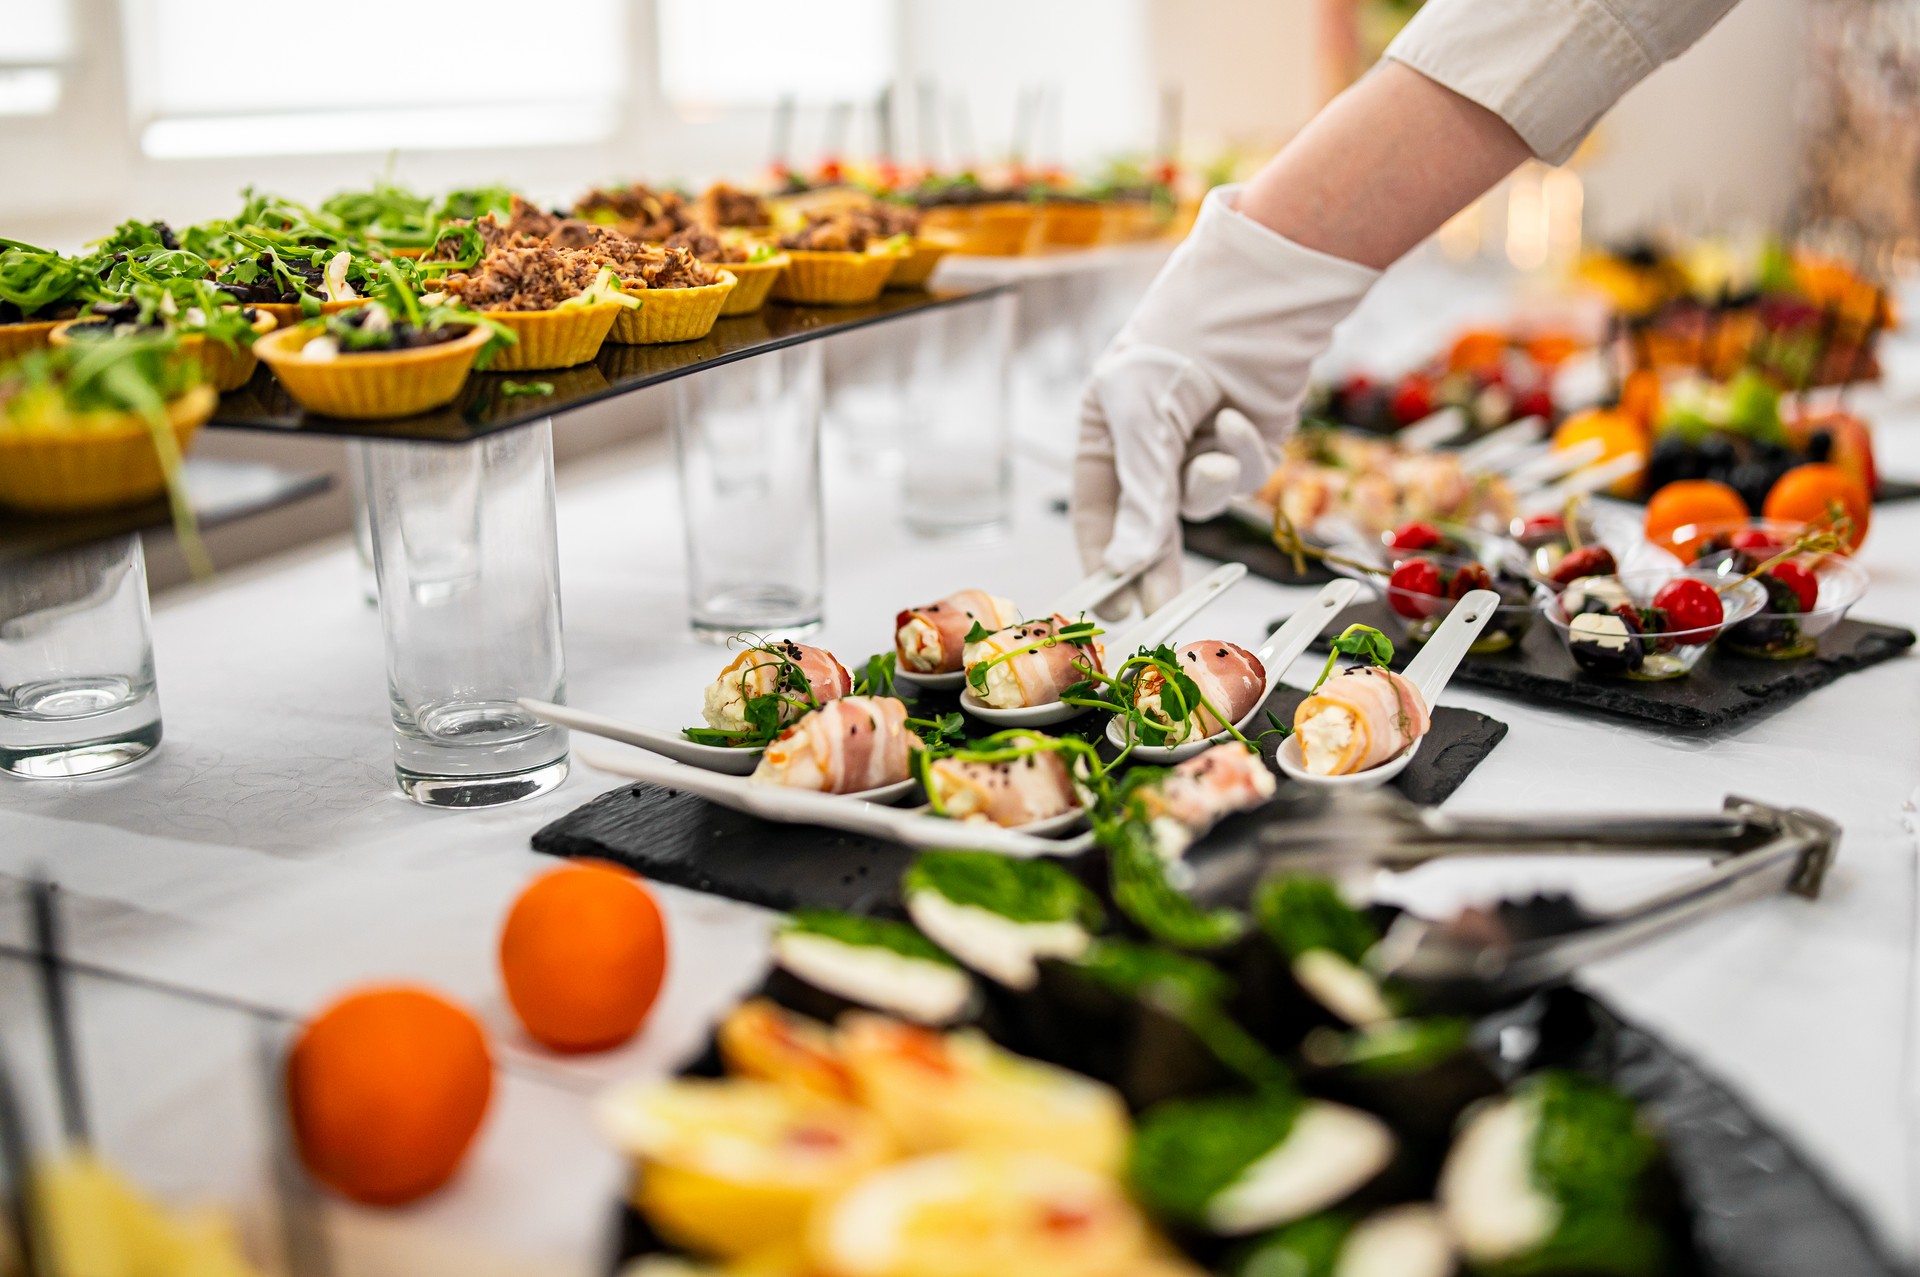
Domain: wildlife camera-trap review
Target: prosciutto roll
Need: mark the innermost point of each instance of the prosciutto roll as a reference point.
(1229, 676)
(761, 670)
(1012, 793)
(1358, 719)
(846, 746)
(1198, 794)
(932, 639)
(1035, 677)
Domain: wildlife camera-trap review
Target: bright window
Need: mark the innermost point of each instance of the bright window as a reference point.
(35, 40)
(372, 75)
(729, 53)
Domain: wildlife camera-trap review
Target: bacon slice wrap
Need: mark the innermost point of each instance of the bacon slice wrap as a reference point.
(1035, 677)
(758, 671)
(1199, 793)
(1229, 676)
(1388, 712)
(936, 644)
(847, 746)
(1016, 792)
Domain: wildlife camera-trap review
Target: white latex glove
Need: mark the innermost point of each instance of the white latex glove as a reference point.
(1190, 403)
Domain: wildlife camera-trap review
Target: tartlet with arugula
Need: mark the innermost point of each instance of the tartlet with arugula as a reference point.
(211, 328)
(397, 355)
(98, 425)
(39, 289)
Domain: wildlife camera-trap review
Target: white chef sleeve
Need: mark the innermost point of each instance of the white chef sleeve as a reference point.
(1549, 68)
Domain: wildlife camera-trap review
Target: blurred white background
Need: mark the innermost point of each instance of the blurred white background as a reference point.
(116, 108)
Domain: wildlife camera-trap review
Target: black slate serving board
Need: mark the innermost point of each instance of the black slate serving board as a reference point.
(1752, 1206)
(685, 840)
(1723, 688)
(1229, 540)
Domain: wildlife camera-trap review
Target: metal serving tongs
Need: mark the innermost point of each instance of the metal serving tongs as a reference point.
(1485, 956)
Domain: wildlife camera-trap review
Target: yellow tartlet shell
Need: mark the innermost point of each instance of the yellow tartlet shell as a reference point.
(833, 279)
(558, 338)
(222, 368)
(755, 284)
(19, 339)
(673, 314)
(916, 268)
(109, 463)
(379, 383)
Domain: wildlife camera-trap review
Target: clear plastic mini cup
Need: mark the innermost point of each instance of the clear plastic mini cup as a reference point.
(1601, 642)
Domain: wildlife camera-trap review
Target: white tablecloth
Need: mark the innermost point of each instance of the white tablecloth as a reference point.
(264, 855)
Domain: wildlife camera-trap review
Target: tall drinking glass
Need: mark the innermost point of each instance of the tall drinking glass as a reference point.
(468, 567)
(957, 477)
(77, 692)
(747, 437)
(362, 526)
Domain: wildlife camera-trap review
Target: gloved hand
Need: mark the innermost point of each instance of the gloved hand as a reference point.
(1190, 403)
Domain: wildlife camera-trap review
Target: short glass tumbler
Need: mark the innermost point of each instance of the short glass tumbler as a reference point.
(77, 690)
(957, 474)
(465, 553)
(747, 438)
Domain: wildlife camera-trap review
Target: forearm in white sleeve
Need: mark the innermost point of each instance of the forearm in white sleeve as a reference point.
(1549, 68)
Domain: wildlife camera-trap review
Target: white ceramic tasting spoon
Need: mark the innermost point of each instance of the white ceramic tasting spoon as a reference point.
(855, 813)
(1150, 631)
(1279, 651)
(1076, 599)
(1429, 671)
(727, 759)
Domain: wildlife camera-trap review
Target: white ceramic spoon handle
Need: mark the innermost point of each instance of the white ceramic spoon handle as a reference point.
(1088, 594)
(1183, 607)
(772, 802)
(1433, 429)
(1484, 452)
(1583, 482)
(1437, 660)
(1291, 639)
(670, 745)
(1550, 463)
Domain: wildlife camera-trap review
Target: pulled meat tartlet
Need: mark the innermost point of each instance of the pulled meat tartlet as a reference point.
(724, 205)
(838, 259)
(636, 211)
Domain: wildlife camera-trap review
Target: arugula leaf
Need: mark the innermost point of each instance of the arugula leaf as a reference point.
(877, 678)
(515, 389)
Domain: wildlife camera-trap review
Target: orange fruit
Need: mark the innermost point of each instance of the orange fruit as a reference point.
(1618, 434)
(1476, 350)
(1690, 501)
(583, 953)
(1817, 494)
(386, 1090)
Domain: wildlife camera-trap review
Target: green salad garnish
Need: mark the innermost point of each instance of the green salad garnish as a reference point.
(1187, 1152)
(1299, 912)
(39, 284)
(1591, 1154)
(1307, 1247)
(1018, 890)
(867, 933)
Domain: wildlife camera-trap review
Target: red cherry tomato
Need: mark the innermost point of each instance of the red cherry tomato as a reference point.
(1691, 605)
(1540, 525)
(1414, 582)
(1754, 539)
(1415, 536)
(1412, 400)
(1800, 581)
(1533, 403)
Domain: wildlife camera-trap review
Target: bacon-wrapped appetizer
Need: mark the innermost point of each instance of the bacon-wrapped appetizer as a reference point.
(1358, 719)
(847, 746)
(932, 639)
(1010, 779)
(1198, 794)
(799, 676)
(1230, 678)
(1031, 663)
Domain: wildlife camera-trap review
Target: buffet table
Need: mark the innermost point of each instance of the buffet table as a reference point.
(262, 859)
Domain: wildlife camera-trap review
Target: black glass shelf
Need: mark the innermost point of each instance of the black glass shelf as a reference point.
(221, 492)
(483, 407)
